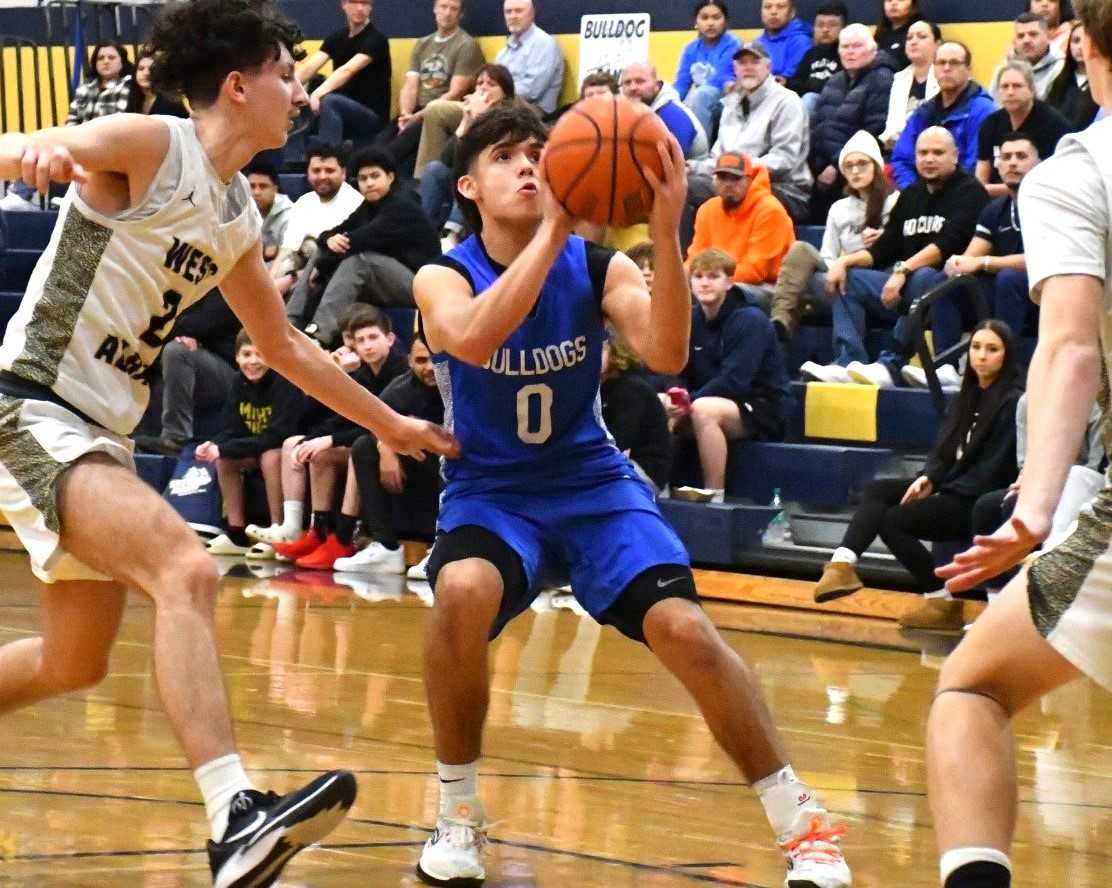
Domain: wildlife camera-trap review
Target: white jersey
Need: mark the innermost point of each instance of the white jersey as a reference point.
(104, 296)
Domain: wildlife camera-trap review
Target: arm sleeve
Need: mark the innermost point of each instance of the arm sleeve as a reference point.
(546, 66)
(773, 233)
(968, 142)
(745, 339)
(876, 101)
(959, 228)
(391, 230)
(470, 60)
(231, 423)
(682, 81)
(984, 142)
(886, 250)
(798, 81)
(995, 464)
(903, 155)
(787, 138)
(703, 235)
(724, 68)
(831, 247)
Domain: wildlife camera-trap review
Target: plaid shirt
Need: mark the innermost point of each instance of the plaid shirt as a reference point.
(93, 100)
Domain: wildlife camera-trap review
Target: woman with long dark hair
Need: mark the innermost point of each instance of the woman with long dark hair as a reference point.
(107, 85)
(974, 454)
(143, 99)
(896, 17)
(1069, 93)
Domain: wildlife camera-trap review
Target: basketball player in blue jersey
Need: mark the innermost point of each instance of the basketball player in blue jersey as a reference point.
(158, 216)
(515, 318)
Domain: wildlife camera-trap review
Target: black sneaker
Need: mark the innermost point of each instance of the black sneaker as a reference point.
(265, 830)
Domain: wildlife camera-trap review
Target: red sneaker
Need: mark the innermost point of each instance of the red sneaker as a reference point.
(305, 544)
(325, 555)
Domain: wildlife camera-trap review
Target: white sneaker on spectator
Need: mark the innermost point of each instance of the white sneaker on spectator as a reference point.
(275, 533)
(917, 377)
(375, 558)
(824, 372)
(420, 571)
(261, 552)
(223, 545)
(14, 203)
(870, 374)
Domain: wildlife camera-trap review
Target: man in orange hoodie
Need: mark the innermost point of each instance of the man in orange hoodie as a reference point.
(747, 221)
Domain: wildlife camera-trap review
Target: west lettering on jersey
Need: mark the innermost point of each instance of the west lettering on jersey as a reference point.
(119, 353)
(538, 361)
(256, 417)
(191, 263)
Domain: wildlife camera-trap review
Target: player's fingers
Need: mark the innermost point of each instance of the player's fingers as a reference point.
(29, 164)
(652, 179)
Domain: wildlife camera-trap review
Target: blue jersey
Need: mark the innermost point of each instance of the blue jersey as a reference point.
(532, 415)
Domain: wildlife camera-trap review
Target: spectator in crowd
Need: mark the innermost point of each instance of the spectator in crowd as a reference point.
(329, 201)
(260, 410)
(855, 99)
(1032, 45)
(765, 121)
(380, 475)
(735, 379)
(532, 56)
(995, 255)
(896, 19)
(1021, 111)
(634, 415)
(142, 98)
(975, 454)
(821, 61)
(273, 206)
(706, 66)
(960, 107)
(323, 451)
(198, 367)
(1058, 15)
(786, 37)
(1069, 93)
(493, 84)
(915, 84)
(597, 83)
(745, 221)
(369, 257)
(933, 218)
(854, 223)
(643, 255)
(353, 102)
(640, 83)
(437, 187)
(442, 70)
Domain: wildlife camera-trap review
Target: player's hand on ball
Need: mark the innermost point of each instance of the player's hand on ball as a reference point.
(42, 164)
(416, 437)
(669, 192)
(554, 213)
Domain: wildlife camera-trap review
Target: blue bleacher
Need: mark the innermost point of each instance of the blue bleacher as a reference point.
(293, 185)
(811, 233)
(28, 231)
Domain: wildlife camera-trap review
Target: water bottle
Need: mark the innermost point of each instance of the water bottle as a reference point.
(779, 530)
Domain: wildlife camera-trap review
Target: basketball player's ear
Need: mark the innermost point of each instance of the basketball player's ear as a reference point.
(235, 87)
(468, 187)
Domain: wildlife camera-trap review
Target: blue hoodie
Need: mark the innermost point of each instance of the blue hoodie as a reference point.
(706, 64)
(788, 47)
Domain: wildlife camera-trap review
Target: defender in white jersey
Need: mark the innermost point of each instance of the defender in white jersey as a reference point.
(157, 216)
(1053, 623)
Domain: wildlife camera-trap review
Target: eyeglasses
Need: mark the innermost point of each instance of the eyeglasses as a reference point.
(856, 166)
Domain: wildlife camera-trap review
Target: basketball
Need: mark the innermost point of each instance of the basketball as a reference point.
(596, 156)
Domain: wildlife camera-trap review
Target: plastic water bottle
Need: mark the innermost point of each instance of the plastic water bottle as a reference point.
(779, 530)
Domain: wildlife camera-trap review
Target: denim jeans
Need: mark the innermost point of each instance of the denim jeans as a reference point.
(862, 301)
(705, 103)
(810, 102)
(343, 118)
(437, 193)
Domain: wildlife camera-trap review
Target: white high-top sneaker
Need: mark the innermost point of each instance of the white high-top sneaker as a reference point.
(814, 858)
(453, 853)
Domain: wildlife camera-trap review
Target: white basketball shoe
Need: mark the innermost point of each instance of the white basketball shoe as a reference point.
(453, 854)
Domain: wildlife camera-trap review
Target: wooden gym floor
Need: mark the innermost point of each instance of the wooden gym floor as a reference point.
(598, 771)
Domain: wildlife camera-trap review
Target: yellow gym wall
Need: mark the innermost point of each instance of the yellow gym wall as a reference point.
(987, 40)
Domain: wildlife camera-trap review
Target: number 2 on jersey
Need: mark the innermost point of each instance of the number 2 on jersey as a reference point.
(153, 335)
(526, 396)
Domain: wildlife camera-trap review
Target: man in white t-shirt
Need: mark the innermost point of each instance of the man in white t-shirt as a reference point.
(329, 202)
(1053, 622)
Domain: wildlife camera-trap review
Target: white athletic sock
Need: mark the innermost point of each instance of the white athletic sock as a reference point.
(959, 857)
(782, 795)
(939, 593)
(293, 513)
(219, 780)
(842, 555)
(458, 783)
(719, 495)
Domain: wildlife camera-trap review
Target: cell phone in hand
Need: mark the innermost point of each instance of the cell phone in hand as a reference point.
(679, 398)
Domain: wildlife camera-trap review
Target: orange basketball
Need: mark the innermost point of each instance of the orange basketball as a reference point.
(595, 157)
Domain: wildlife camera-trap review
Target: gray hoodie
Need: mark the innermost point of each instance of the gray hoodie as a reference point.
(1046, 70)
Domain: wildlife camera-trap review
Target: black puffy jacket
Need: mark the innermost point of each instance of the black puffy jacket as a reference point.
(847, 106)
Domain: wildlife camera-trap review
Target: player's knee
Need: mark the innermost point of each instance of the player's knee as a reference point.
(193, 583)
(466, 592)
(702, 411)
(957, 678)
(680, 628)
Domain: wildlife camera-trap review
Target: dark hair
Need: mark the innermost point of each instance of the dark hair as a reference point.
(510, 122)
(722, 7)
(1096, 16)
(373, 157)
(968, 52)
(243, 338)
(884, 23)
(838, 9)
(1064, 11)
(1065, 83)
(196, 45)
(935, 30)
(125, 60)
(262, 167)
(974, 404)
(599, 78)
(1020, 136)
(369, 316)
(875, 196)
(501, 75)
(1029, 18)
(642, 253)
(325, 150)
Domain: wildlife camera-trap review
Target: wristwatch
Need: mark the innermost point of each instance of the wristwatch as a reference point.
(899, 268)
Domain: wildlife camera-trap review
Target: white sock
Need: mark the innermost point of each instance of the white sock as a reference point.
(719, 495)
(939, 593)
(842, 555)
(293, 513)
(959, 857)
(782, 795)
(219, 780)
(458, 783)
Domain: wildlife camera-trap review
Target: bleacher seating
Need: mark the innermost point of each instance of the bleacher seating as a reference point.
(293, 185)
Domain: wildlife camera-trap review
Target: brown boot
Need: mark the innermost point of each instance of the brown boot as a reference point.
(839, 578)
(799, 264)
(936, 615)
